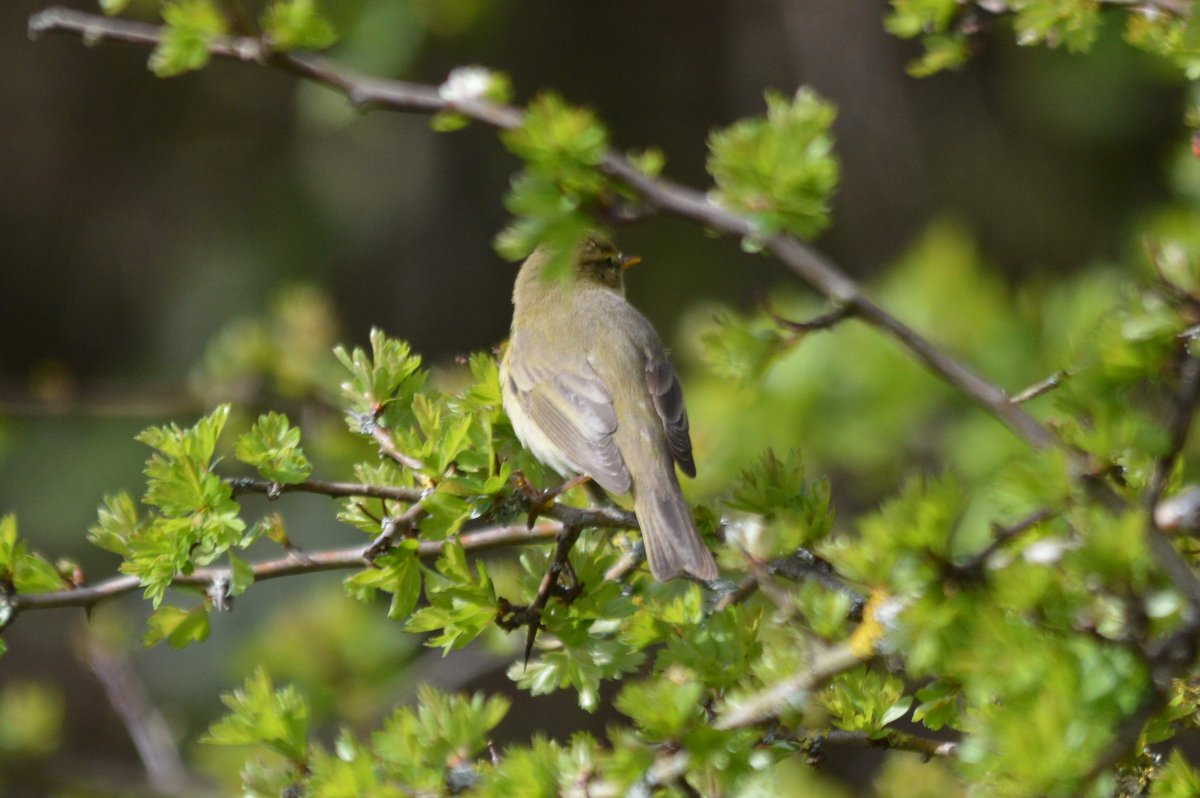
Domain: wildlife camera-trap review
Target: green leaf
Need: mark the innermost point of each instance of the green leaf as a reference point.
(663, 708)
(241, 575)
(297, 24)
(719, 652)
(939, 706)
(562, 146)
(118, 524)
(261, 715)
(448, 121)
(1177, 780)
(113, 7)
(34, 574)
(191, 26)
(419, 746)
(272, 446)
(177, 626)
(910, 18)
(397, 572)
(382, 382)
(553, 135)
(942, 53)
(779, 170)
(197, 443)
(581, 665)
(461, 604)
(1073, 22)
(12, 548)
(866, 700)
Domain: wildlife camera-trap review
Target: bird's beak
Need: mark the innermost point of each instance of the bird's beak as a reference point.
(629, 260)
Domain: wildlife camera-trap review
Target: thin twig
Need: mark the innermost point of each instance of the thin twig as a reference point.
(272, 490)
(634, 556)
(892, 740)
(1002, 535)
(822, 322)
(1039, 388)
(388, 448)
(400, 525)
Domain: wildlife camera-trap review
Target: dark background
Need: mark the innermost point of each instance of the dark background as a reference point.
(140, 215)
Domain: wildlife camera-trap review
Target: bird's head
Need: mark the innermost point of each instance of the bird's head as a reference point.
(600, 262)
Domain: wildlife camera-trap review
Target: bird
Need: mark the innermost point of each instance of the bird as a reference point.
(591, 392)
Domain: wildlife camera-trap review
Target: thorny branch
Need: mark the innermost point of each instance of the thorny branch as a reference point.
(296, 562)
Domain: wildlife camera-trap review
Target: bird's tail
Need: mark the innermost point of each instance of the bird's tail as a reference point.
(672, 543)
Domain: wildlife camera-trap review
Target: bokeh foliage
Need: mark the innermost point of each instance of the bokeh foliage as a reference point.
(987, 588)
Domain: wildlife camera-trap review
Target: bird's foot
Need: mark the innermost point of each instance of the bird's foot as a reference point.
(511, 617)
(537, 500)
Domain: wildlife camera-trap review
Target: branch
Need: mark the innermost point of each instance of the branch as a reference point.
(148, 401)
(825, 321)
(892, 740)
(273, 490)
(596, 517)
(1039, 388)
(294, 562)
(793, 691)
(662, 195)
(147, 727)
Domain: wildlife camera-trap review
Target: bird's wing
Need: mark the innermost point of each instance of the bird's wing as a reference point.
(668, 401)
(574, 409)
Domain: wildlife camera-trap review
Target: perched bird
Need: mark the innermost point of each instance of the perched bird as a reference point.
(590, 391)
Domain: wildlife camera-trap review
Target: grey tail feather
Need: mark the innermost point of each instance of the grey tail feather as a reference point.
(669, 534)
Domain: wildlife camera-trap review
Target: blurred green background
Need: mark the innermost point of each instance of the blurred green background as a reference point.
(142, 217)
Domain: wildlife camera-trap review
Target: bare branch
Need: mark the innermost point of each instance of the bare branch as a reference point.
(388, 448)
(140, 401)
(272, 490)
(892, 740)
(1002, 535)
(823, 322)
(294, 562)
(1039, 388)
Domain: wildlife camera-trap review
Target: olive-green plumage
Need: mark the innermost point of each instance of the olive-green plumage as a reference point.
(590, 390)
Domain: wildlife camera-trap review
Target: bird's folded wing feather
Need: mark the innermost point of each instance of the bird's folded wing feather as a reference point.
(574, 409)
(668, 401)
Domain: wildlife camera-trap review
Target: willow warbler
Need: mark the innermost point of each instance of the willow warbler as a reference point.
(590, 391)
